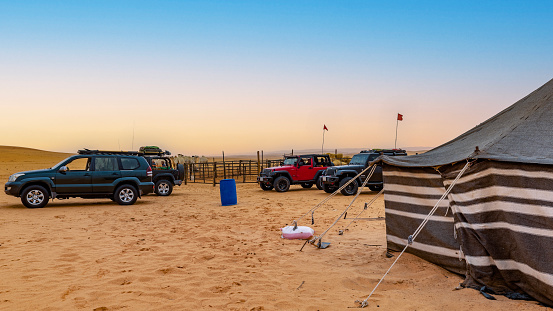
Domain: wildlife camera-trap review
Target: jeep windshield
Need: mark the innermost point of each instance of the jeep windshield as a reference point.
(290, 161)
(361, 159)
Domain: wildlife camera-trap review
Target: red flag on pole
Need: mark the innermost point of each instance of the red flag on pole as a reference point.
(325, 128)
(399, 117)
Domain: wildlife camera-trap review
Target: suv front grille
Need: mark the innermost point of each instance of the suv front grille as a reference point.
(330, 172)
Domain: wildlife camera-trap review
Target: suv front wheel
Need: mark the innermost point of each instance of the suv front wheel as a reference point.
(319, 183)
(351, 189)
(328, 188)
(125, 195)
(164, 187)
(35, 197)
(282, 184)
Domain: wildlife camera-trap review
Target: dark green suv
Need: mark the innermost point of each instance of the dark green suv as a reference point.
(90, 174)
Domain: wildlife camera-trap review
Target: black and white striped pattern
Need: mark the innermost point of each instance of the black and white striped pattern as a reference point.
(410, 194)
(502, 218)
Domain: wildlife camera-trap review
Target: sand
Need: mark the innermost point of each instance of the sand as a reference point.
(187, 252)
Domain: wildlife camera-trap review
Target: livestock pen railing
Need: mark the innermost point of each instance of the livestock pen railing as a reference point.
(245, 171)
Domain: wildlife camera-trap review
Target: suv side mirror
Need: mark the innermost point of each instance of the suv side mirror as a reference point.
(63, 169)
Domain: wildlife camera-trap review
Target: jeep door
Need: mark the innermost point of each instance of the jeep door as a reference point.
(106, 171)
(76, 179)
(305, 169)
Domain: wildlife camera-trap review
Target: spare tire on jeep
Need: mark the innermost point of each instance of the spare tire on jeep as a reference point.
(180, 168)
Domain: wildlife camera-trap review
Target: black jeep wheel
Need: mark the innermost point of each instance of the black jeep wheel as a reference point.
(351, 189)
(125, 195)
(164, 187)
(375, 188)
(282, 184)
(328, 188)
(35, 197)
(265, 186)
(319, 183)
(180, 168)
(307, 185)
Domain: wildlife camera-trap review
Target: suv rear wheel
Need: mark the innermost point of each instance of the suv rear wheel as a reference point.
(375, 188)
(351, 189)
(35, 197)
(125, 195)
(282, 184)
(164, 187)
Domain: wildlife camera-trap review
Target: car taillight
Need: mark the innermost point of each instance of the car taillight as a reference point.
(149, 171)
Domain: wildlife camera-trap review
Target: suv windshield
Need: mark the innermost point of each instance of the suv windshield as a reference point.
(60, 163)
(290, 161)
(361, 159)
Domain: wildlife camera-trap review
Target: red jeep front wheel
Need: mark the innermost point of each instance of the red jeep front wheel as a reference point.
(266, 187)
(282, 184)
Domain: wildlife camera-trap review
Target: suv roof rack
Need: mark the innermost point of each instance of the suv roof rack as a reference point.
(87, 151)
(384, 151)
(136, 153)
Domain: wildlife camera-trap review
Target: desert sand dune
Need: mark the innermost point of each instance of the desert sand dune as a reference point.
(187, 252)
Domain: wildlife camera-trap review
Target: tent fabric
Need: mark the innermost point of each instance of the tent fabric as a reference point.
(504, 219)
(502, 206)
(521, 133)
(410, 195)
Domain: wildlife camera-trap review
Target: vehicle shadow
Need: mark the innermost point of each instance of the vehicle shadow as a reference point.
(59, 204)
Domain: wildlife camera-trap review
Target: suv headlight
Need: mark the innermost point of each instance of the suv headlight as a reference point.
(14, 177)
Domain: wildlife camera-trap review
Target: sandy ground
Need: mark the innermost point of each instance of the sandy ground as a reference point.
(187, 252)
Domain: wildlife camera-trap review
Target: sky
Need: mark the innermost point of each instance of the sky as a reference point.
(202, 77)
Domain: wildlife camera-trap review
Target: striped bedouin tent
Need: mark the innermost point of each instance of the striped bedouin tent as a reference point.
(496, 224)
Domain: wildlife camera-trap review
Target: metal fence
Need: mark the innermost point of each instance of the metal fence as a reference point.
(245, 171)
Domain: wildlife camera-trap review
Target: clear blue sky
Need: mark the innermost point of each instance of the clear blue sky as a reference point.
(242, 76)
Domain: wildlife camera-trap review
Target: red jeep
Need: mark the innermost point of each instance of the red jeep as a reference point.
(303, 169)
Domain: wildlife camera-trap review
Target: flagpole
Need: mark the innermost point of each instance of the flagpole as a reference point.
(397, 123)
(323, 146)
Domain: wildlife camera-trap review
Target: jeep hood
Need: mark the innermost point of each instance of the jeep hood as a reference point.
(280, 168)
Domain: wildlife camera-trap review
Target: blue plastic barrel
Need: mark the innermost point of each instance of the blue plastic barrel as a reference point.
(227, 188)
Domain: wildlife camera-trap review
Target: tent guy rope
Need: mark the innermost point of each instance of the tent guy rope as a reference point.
(313, 209)
(350, 204)
(412, 237)
(365, 208)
